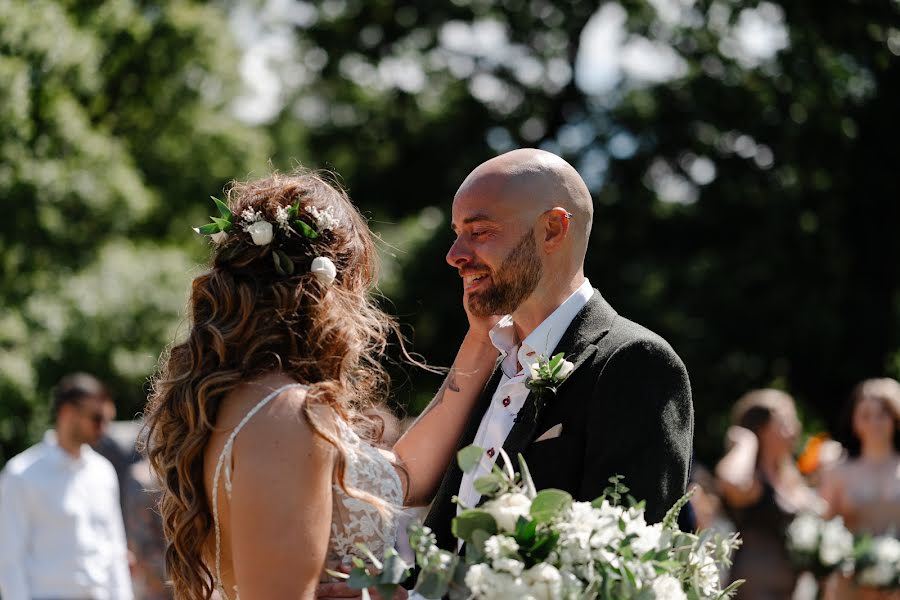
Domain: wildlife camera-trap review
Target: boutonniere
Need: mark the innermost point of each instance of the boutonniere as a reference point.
(547, 375)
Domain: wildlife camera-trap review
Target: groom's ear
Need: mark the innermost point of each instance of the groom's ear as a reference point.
(556, 228)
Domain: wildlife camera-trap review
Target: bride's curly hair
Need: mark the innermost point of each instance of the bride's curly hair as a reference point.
(248, 318)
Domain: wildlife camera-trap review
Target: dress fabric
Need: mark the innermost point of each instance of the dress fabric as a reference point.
(354, 520)
(762, 559)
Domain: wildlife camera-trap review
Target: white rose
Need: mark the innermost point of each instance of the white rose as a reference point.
(879, 574)
(565, 370)
(886, 550)
(261, 232)
(507, 509)
(544, 581)
(803, 533)
(219, 237)
(666, 587)
(647, 539)
(837, 543)
(324, 269)
(534, 371)
(509, 565)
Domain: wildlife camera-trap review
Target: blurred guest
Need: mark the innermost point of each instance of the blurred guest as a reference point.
(61, 529)
(144, 532)
(763, 490)
(865, 490)
(108, 448)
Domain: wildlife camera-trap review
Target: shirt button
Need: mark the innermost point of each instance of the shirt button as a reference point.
(506, 401)
(490, 452)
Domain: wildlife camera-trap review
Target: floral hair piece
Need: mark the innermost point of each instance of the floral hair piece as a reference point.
(262, 233)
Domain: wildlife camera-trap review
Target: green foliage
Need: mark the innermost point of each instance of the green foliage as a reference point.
(114, 125)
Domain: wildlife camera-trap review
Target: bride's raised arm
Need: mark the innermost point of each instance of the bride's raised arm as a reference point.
(426, 449)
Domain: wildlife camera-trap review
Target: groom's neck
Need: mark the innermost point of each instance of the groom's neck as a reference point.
(545, 299)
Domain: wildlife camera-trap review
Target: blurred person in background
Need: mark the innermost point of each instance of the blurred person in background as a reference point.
(865, 490)
(61, 531)
(763, 490)
(107, 447)
(144, 532)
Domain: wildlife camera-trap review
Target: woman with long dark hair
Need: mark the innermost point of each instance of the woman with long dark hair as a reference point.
(257, 421)
(865, 490)
(763, 490)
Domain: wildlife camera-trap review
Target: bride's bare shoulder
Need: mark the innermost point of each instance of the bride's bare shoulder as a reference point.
(281, 420)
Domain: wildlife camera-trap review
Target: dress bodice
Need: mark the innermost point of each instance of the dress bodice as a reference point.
(871, 501)
(354, 520)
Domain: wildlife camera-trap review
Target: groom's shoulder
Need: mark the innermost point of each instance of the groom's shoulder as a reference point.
(628, 337)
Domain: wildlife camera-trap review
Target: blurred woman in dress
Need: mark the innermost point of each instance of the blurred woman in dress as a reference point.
(865, 490)
(763, 490)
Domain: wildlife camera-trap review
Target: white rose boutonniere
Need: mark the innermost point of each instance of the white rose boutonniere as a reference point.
(547, 374)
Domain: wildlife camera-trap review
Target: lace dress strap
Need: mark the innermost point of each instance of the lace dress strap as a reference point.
(225, 461)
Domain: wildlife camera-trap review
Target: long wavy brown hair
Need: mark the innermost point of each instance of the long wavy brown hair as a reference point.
(246, 319)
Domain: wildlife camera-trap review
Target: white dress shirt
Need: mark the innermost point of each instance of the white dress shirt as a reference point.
(61, 531)
(511, 392)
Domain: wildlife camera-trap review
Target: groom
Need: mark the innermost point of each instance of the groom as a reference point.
(522, 222)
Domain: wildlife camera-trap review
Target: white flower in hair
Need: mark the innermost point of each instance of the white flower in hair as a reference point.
(249, 217)
(261, 232)
(325, 219)
(283, 218)
(323, 269)
(218, 237)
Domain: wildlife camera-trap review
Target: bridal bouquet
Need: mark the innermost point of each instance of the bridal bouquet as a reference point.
(525, 544)
(820, 546)
(877, 562)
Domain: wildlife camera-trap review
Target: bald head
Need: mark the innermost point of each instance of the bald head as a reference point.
(535, 181)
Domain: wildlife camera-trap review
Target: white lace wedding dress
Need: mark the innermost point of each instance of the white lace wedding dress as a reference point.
(353, 521)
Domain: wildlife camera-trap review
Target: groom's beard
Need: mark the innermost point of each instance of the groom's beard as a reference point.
(512, 283)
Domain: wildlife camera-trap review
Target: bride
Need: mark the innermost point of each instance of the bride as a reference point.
(257, 421)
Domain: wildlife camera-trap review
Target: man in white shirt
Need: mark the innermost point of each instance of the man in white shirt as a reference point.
(522, 221)
(61, 530)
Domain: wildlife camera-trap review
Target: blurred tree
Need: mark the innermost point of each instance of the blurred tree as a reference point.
(114, 129)
(742, 155)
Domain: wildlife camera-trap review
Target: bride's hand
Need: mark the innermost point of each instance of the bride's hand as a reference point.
(479, 326)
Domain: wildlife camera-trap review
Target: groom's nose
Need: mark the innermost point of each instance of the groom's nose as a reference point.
(459, 254)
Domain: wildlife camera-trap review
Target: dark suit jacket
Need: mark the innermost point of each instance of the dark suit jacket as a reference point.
(625, 409)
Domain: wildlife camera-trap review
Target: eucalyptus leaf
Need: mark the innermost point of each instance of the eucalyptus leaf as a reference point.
(470, 521)
(277, 261)
(395, 569)
(548, 504)
(488, 485)
(432, 584)
(360, 579)
(469, 457)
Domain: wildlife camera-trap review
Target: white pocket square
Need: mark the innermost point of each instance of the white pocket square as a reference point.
(553, 432)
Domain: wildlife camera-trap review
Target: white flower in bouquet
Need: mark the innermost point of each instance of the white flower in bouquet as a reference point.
(666, 587)
(544, 582)
(500, 546)
(885, 553)
(486, 583)
(886, 550)
(507, 509)
(837, 543)
(707, 573)
(648, 536)
(803, 533)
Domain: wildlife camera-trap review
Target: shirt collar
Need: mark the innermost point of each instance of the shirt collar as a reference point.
(545, 336)
(60, 455)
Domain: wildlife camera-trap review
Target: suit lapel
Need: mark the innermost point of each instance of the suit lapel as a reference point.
(578, 343)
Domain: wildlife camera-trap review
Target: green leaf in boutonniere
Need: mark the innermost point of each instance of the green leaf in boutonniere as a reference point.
(544, 375)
